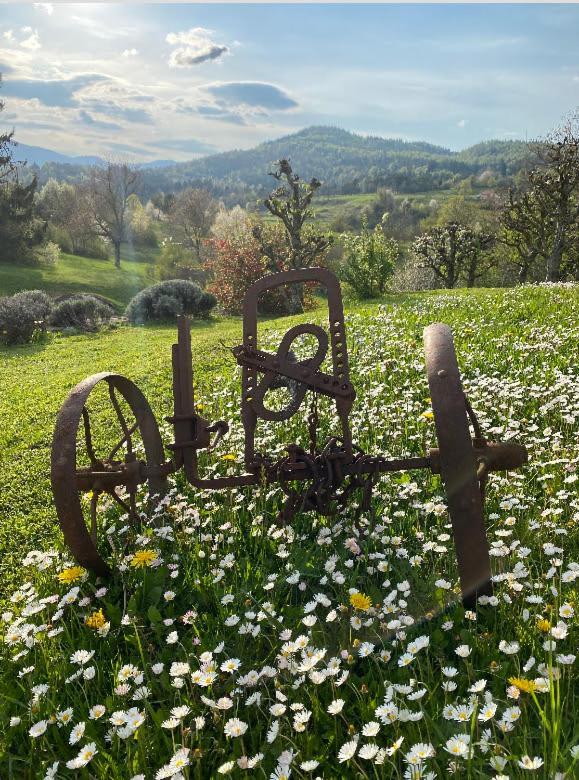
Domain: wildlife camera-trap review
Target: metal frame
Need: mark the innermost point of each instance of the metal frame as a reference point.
(322, 477)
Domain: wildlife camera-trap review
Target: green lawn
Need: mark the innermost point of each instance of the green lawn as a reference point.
(73, 274)
(234, 585)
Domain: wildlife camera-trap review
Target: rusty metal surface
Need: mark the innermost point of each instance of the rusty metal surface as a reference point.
(321, 477)
(252, 409)
(103, 475)
(457, 463)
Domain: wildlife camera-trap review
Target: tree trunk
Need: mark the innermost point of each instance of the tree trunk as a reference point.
(471, 275)
(554, 261)
(117, 246)
(295, 299)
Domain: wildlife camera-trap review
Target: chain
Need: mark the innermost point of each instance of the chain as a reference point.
(313, 422)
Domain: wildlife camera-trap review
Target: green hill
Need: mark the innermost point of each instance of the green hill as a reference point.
(347, 163)
(73, 274)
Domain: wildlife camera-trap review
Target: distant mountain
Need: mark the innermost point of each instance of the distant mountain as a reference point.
(37, 155)
(345, 162)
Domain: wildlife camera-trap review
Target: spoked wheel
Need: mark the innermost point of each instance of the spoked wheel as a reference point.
(458, 465)
(80, 476)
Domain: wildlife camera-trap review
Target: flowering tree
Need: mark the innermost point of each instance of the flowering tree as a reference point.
(237, 261)
(541, 219)
(453, 252)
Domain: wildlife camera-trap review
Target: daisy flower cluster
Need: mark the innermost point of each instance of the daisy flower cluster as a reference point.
(229, 644)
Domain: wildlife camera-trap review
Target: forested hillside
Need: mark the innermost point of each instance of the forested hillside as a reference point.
(346, 163)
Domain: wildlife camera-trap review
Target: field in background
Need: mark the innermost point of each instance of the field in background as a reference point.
(74, 274)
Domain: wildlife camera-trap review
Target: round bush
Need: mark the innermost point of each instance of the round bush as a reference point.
(23, 315)
(83, 312)
(166, 300)
(167, 307)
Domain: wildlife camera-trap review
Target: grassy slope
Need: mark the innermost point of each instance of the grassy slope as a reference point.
(73, 274)
(34, 381)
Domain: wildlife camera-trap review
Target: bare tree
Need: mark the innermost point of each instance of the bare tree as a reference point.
(192, 214)
(108, 191)
(290, 202)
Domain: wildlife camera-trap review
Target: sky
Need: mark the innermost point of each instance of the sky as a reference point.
(161, 81)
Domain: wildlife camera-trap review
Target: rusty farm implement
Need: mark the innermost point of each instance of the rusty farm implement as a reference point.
(318, 477)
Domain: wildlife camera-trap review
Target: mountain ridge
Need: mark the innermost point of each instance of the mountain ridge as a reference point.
(345, 162)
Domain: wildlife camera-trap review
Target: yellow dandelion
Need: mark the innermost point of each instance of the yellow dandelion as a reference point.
(229, 456)
(96, 620)
(526, 686)
(428, 415)
(66, 576)
(360, 601)
(143, 558)
(543, 625)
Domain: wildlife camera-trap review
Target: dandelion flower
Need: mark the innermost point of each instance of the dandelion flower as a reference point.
(67, 576)
(96, 620)
(526, 686)
(360, 601)
(144, 558)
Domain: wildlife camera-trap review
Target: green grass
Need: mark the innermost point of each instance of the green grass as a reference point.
(74, 274)
(518, 353)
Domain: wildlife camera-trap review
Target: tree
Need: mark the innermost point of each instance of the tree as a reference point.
(453, 251)
(290, 202)
(108, 191)
(237, 261)
(20, 230)
(192, 214)
(369, 260)
(541, 219)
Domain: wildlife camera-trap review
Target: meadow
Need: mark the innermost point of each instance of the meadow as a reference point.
(73, 274)
(226, 644)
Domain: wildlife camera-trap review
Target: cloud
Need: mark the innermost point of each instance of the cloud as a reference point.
(8, 35)
(128, 113)
(32, 42)
(462, 123)
(220, 114)
(195, 46)
(98, 124)
(252, 94)
(56, 92)
(185, 145)
(48, 7)
(129, 53)
(213, 111)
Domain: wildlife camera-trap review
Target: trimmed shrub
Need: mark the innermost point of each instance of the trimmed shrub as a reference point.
(166, 300)
(83, 312)
(23, 316)
(48, 253)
